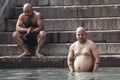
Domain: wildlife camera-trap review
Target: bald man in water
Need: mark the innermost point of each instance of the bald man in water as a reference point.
(30, 31)
(83, 54)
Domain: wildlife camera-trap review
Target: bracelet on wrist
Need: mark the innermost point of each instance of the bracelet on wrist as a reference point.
(97, 63)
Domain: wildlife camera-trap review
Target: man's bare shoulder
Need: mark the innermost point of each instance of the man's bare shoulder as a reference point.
(21, 15)
(91, 43)
(37, 13)
(73, 44)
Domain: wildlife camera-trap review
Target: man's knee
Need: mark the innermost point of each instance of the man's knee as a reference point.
(14, 35)
(42, 34)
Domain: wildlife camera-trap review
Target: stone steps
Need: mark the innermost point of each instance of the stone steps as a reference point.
(32, 62)
(81, 11)
(106, 36)
(105, 23)
(57, 49)
(61, 18)
(65, 2)
(51, 61)
(48, 49)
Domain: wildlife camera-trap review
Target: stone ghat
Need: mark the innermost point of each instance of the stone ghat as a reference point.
(51, 61)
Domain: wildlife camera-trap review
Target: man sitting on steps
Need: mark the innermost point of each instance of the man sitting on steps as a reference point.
(29, 30)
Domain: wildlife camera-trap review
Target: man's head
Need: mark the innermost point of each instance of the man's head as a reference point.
(81, 34)
(28, 10)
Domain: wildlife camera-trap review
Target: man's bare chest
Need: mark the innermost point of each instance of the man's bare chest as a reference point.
(30, 22)
(82, 50)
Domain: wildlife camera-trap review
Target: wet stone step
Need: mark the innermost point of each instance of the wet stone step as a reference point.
(51, 61)
(32, 62)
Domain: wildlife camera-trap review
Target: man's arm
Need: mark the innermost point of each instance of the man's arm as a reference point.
(70, 59)
(20, 26)
(40, 23)
(96, 57)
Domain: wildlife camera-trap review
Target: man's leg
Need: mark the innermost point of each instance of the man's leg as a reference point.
(41, 40)
(18, 37)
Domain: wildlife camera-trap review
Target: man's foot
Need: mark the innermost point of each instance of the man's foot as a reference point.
(24, 54)
(39, 55)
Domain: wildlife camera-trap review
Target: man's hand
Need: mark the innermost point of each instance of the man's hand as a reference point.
(29, 31)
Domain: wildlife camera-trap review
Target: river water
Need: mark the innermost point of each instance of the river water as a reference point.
(104, 73)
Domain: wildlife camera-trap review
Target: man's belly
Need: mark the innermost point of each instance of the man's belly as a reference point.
(83, 63)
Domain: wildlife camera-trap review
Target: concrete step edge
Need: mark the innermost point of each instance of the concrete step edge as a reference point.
(97, 31)
(55, 44)
(100, 18)
(73, 6)
(101, 55)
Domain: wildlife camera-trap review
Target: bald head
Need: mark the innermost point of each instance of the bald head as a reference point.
(81, 34)
(27, 6)
(80, 29)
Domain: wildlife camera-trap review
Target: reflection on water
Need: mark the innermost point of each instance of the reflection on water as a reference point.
(59, 74)
(82, 76)
(102, 74)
